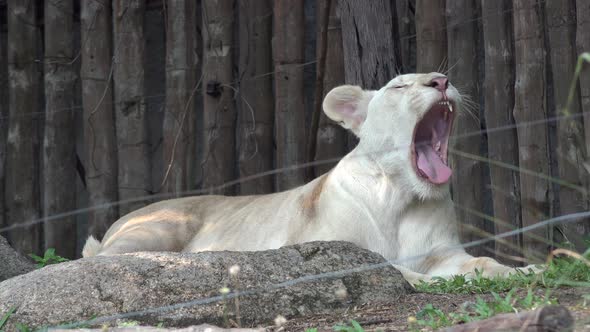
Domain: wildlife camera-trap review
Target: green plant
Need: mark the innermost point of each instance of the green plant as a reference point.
(22, 328)
(432, 317)
(49, 257)
(4, 318)
(561, 271)
(311, 330)
(355, 327)
(130, 323)
(435, 318)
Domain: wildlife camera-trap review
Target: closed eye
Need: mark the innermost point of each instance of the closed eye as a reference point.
(400, 86)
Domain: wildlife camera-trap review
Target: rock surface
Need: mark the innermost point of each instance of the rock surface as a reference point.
(183, 289)
(12, 263)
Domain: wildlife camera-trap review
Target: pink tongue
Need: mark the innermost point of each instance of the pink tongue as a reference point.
(431, 164)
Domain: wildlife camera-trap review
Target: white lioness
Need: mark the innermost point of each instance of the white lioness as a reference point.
(389, 195)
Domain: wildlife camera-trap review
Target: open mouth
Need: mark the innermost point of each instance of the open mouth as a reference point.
(430, 144)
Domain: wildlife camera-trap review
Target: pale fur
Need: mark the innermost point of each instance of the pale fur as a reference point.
(372, 198)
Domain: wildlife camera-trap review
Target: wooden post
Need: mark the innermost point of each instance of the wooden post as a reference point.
(180, 90)
(99, 126)
(369, 24)
(530, 106)
(3, 121)
(218, 96)
(130, 110)
(502, 140)
(406, 31)
(571, 150)
(583, 45)
(331, 137)
(468, 173)
(22, 177)
(59, 149)
(431, 37)
(288, 57)
(256, 101)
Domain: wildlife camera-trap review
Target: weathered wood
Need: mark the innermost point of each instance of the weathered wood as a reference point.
(583, 45)
(323, 17)
(530, 106)
(130, 110)
(22, 179)
(59, 143)
(502, 139)
(406, 33)
(549, 318)
(288, 56)
(218, 96)
(99, 119)
(368, 41)
(331, 137)
(155, 88)
(180, 90)
(571, 151)
(256, 103)
(431, 37)
(467, 180)
(13, 263)
(3, 120)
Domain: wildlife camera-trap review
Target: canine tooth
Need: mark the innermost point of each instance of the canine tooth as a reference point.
(437, 146)
(451, 107)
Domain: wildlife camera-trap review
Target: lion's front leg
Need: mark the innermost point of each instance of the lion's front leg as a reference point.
(463, 263)
(412, 277)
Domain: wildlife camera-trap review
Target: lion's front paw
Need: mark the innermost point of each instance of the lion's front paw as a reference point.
(534, 268)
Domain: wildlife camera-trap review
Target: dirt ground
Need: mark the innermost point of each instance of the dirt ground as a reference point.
(393, 316)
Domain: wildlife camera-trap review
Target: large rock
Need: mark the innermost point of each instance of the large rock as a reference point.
(12, 263)
(184, 289)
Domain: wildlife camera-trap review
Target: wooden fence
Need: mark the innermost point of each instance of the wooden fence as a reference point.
(106, 106)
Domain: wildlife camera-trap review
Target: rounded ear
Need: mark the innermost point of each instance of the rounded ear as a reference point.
(348, 105)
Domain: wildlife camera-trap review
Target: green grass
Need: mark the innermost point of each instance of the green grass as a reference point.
(561, 271)
(354, 327)
(5, 317)
(435, 318)
(48, 258)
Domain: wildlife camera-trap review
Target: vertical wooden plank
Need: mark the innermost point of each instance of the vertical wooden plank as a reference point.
(499, 103)
(3, 115)
(59, 149)
(467, 180)
(368, 41)
(218, 98)
(583, 45)
(288, 56)
(22, 179)
(530, 106)
(571, 152)
(331, 137)
(431, 37)
(155, 88)
(130, 109)
(256, 101)
(99, 119)
(180, 90)
(406, 30)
